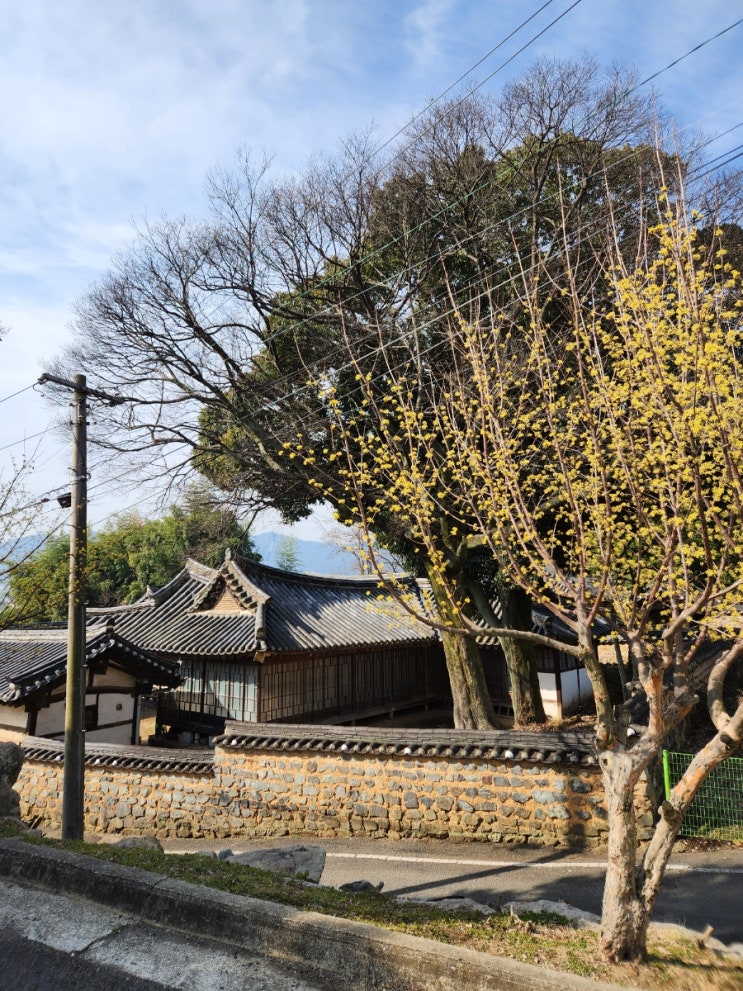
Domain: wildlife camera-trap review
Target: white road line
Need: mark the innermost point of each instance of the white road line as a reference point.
(552, 865)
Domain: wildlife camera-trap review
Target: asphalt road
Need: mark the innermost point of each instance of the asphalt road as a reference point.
(699, 889)
(53, 942)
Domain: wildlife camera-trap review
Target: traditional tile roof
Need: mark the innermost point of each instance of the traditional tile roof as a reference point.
(244, 608)
(504, 746)
(37, 659)
(115, 755)
(507, 746)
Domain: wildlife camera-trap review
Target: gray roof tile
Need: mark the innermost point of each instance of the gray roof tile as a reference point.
(267, 609)
(35, 659)
(504, 746)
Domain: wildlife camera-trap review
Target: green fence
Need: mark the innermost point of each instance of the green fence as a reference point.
(717, 809)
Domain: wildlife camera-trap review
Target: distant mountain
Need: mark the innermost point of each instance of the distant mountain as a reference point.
(313, 556)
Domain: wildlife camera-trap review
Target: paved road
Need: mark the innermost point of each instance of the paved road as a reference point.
(698, 889)
(52, 942)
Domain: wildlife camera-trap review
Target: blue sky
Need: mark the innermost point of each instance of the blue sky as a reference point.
(115, 111)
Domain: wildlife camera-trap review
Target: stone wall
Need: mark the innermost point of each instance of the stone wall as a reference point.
(335, 784)
(123, 800)
(275, 794)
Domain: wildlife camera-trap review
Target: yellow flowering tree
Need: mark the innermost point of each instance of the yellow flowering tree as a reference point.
(603, 473)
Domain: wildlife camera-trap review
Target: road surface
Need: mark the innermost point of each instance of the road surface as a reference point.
(53, 942)
(699, 889)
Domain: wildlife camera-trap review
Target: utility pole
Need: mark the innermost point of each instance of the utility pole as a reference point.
(73, 802)
(73, 787)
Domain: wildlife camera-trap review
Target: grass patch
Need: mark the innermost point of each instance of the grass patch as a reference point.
(544, 939)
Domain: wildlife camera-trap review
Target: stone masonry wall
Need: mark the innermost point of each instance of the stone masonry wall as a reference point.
(122, 800)
(265, 792)
(276, 794)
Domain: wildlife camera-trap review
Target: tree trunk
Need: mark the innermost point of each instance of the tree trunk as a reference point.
(473, 708)
(624, 916)
(521, 660)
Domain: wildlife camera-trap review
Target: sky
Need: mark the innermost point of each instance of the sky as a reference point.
(115, 112)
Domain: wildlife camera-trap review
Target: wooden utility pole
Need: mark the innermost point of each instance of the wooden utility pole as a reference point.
(73, 788)
(73, 803)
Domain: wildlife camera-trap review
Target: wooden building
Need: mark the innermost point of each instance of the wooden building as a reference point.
(33, 676)
(563, 680)
(258, 644)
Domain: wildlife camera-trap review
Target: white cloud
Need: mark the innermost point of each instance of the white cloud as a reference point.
(426, 32)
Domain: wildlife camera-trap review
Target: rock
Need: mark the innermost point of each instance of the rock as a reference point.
(143, 842)
(20, 826)
(225, 854)
(11, 762)
(576, 915)
(297, 861)
(357, 886)
(451, 904)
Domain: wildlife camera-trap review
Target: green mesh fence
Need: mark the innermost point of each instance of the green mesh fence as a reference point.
(717, 809)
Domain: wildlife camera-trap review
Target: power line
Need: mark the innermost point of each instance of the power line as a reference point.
(424, 325)
(581, 232)
(432, 217)
(18, 393)
(29, 437)
(586, 119)
(394, 241)
(474, 66)
(691, 51)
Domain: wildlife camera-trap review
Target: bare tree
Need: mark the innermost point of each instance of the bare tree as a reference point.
(214, 330)
(20, 538)
(353, 541)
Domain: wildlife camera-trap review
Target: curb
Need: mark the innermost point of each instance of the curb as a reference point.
(342, 952)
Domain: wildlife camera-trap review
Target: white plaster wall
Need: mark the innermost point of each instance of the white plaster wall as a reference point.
(110, 734)
(13, 717)
(13, 723)
(550, 700)
(51, 719)
(113, 678)
(107, 711)
(576, 689)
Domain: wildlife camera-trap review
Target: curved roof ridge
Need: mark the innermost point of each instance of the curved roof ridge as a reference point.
(232, 569)
(348, 581)
(191, 570)
(230, 575)
(155, 597)
(34, 633)
(197, 570)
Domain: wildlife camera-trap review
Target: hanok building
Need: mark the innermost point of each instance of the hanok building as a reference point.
(33, 681)
(563, 680)
(258, 644)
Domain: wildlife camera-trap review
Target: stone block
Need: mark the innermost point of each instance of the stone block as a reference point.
(543, 797)
(579, 786)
